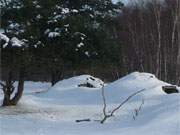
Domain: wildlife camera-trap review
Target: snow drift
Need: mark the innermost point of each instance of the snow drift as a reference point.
(55, 111)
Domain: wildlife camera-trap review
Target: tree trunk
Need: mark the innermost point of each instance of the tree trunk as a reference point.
(8, 89)
(6, 100)
(19, 92)
(56, 76)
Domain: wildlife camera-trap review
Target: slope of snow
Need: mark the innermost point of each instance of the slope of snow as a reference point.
(75, 81)
(55, 111)
(134, 82)
(67, 92)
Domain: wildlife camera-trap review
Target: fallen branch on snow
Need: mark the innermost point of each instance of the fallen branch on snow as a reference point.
(83, 120)
(106, 116)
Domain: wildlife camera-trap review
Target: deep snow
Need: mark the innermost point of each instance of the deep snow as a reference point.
(55, 111)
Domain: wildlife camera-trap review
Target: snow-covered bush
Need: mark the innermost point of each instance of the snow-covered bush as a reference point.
(12, 42)
(4, 40)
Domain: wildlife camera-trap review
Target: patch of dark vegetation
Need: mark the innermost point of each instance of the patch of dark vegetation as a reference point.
(91, 78)
(170, 89)
(86, 85)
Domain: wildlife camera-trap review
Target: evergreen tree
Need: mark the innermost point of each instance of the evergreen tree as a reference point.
(60, 34)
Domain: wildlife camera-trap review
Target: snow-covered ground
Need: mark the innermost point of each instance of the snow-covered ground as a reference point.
(55, 110)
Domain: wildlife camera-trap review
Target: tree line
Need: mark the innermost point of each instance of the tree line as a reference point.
(152, 43)
(64, 38)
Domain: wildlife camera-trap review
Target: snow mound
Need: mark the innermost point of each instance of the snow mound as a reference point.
(138, 75)
(69, 91)
(119, 90)
(73, 92)
(136, 81)
(76, 81)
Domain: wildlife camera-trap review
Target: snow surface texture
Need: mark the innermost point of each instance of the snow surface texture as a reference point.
(55, 111)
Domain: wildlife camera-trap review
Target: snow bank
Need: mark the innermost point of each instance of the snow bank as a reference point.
(55, 111)
(74, 82)
(68, 92)
(133, 82)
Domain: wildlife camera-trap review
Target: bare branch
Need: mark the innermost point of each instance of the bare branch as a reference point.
(106, 116)
(126, 100)
(104, 101)
(83, 120)
(137, 110)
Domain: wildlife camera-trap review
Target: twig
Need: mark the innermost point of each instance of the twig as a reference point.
(104, 105)
(104, 101)
(118, 107)
(83, 120)
(106, 116)
(137, 110)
